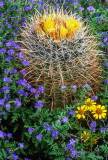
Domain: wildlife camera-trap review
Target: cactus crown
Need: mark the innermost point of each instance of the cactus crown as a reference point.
(57, 26)
(61, 52)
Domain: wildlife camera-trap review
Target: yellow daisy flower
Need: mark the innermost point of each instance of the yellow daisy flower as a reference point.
(85, 136)
(99, 112)
(81, 111)
(93, 140)
(90, 104)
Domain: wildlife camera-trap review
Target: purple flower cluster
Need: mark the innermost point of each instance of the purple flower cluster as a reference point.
(55, 133)
(38, 104)
(69, 147)
(71, 112)
(21, 145)
(39, 136)
(90, 8)
(93, 125)
(31, 129)
(65, 119)
(48, 128)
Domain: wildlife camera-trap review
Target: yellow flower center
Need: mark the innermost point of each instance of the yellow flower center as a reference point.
(89, 104)
(99, 111)
(81, 112)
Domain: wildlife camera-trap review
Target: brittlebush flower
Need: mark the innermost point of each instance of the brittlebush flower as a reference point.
(93, 140)
(90, 104)
(99, 112)
(81, 111)
(72, 24)
(85, 136)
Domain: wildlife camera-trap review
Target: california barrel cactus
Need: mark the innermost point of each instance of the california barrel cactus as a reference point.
(61, 52)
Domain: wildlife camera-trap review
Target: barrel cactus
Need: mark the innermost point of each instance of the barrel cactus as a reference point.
(61, 52)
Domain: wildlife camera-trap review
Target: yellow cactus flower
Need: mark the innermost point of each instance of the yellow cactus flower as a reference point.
(99, 112)
(85, 136)
(81, 111)
(70, 35)
(63, 32)
(51, 32)
(48, 24)
(72, 24)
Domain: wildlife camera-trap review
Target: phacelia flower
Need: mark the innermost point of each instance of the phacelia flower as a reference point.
(99, 112)
(38, 104)
(65, 119)
(21, 145)
(106, 64)
(1, 134)
(71, 112)
(85, 136)
(31, 129)
(48, 128)
(39, 136)
(102, 129)
(80, 112)
(41, 89)
(55, 133)
(90, 8)
(92, 125)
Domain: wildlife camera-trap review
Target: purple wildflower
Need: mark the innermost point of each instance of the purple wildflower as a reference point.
(57, 6)
(7, 105)
(37, 94)
(21, 91)
(65, 119)
(9, 58)
(41, 89)
(26, 94)
(23, 73)
(38, 104)
(41, 8)
(63, 87)
(73, 151)
(44, 123)
(9, 135)
(28, 86)
(14, 157)
(106, 64)
(102, 129)
(3, 113)
(86, 85)
(90, 8)
(48, 128)
(1, 4)
(94, 98)
(32, 90)
(25, 62)
(73, 86)
(71, 112)
(106, 81)
(21, 145)
(72, 141)
(55, 133)
(20, 55)
(17, 46)
(58, 121)
(92, 125)
(31, 129)
(17, 102)
(39, 136)
(1, 43)
(7, 80)
(80, 9)
(1, 134)
(2, 50)
(101, 44)
(2, 101)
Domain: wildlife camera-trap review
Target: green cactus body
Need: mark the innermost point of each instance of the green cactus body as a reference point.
(66, 61)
